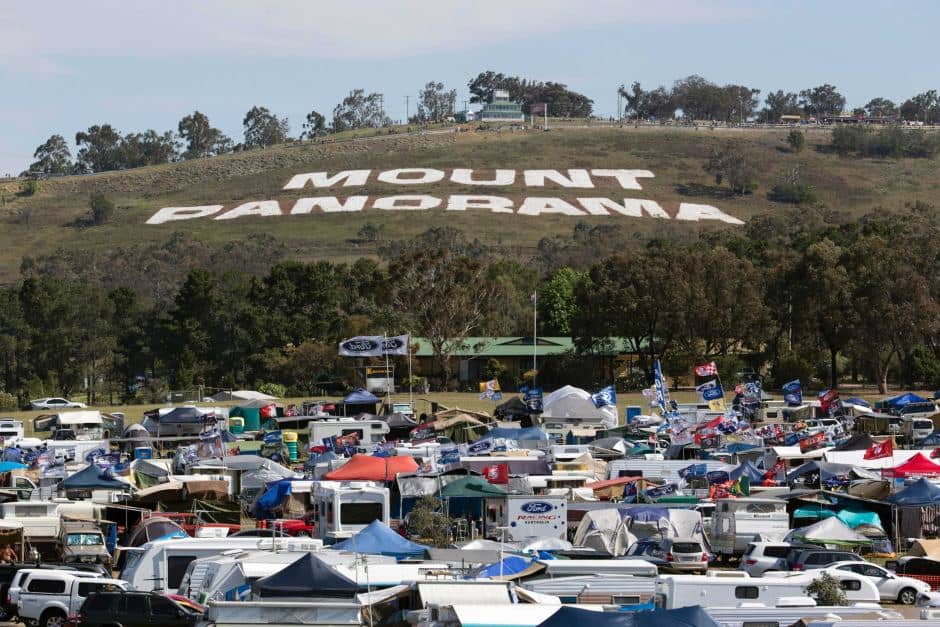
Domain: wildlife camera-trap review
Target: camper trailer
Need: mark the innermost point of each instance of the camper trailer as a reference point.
(737, 522)
(10, 431)
(341, 510)
(366, 432)
(84, 424)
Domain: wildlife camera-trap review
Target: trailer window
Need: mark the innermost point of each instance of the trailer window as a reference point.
(746, 592)
(359, 513)
(175, 569)
(761, 508)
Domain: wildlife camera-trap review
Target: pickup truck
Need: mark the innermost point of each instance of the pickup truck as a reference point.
(12, 599)
(48, 598)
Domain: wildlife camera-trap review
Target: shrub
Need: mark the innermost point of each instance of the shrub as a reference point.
(794, 193)
(847, 139)
(7, 401)
(273, 389)
(736, 165)
(792, 366)
(428, 523)
(825, 589)
(796, 139)
(30, 187)
(101, 208)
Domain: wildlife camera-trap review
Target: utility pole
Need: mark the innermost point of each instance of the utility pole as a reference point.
(407, 109)
(619, 108)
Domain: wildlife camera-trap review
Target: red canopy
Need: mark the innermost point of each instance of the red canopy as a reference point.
(917, 466)
(369, 468)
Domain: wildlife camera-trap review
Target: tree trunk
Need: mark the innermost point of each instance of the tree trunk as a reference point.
(833, 367)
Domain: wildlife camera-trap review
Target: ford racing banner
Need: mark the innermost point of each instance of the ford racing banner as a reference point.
(361, 346)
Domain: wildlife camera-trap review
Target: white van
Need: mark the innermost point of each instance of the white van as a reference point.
(738, 522)
(49, 597)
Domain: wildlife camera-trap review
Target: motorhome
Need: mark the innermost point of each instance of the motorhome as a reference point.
(736, 523)
(366, 432)
(85, 424)
(341, 510)
(161, 565)
(10, 431)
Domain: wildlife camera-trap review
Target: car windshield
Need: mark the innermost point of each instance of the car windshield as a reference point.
(686, 547)
(83, 539)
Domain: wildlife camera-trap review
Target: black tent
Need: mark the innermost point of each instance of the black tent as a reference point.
(182, 415)
(858, 442)
(308, 576)
(92, 478)
(693, 616)
(515, 407)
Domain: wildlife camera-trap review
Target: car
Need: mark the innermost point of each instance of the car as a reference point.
(674, 554)
(133, 609)
(55, 403)
(11, 599)
(891, 587)
(763, 557)
(48, 598)
(812, 559)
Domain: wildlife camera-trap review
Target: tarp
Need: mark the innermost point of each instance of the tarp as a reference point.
(272, 498)
(513, 407)
(604, 530)
(570, 616)
(511, 567)
(92, 478)
(182, 415)
(854, 400)
(360, 396)
(826, 470)
(816, 512)
(309, 576)
(369, 468)
(901, 400)
(378, 539)
(8, 466)
(922, 492)
(749, 470)
(858, 442)
(829, 531)
(471, 486)
(916, 466)
(572, 402)
(856, 518)
(530, 433)
(931, 440)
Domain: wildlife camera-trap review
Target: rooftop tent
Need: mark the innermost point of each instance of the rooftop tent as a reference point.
(921, 493)
(916, 466)
(896, 402)
(92, 478)
(308, 576)
(471, 486)
(858, 442)
(829, 531)
(509, 568)
(369, 468)
(572, 402)
(571, 616)
(749, 470)
(378, 539)
(529, 433)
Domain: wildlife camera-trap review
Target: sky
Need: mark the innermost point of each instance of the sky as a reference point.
(66, 65)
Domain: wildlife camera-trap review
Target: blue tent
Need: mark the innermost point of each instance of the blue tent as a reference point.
(921, 493)
(509, 568)
(854, 400)
(930, 441)
(308, 576)
(379, 539)
(8, 466)
(529, 433)
(274, 495)
(749, 470)
(360, 396)
(570, 616)
(92, 478)
(896, 402)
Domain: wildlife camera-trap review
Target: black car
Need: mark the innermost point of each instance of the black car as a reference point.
(133, 609)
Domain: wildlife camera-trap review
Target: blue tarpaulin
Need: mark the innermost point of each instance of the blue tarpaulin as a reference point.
(921, 493)
(854, 400)
(931, 440)
(273, 496)
(901, 400)
(360, 396)
(569, 616)
(855, 518)
(740, 447)
(511, 565)
(92, 478)
(379, 539)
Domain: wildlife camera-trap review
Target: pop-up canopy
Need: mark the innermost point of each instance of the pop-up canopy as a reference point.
(378, 539)
(307, 577)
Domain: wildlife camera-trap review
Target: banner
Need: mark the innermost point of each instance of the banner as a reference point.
(490, 390)
(753, 392)
(880, 450)
(374, 346)
(666, 490)
(606, 396)
(695, 470)
(813, 442)
(717, 476)
(396, 345)
(481, 447)
(793, 393)
(496, 473)
(717, 405)
(710, 390)
(706, 370)
(451, 456)
(827, 400)
(532, 398)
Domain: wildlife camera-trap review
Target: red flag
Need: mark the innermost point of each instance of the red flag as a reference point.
(878, 451)
(497, 473)
(812, 442)
(706, 370)
(826, 399)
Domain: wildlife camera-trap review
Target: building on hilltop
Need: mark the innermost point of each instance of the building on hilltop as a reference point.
(501, 109)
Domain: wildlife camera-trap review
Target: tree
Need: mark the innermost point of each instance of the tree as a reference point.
(796, 139)
(101, 208)
(825, 589)
(202, 139)
(99, 148)
(434, 103)
(315, 126)
(924, 107)
(430, 286)
(736, 165)
(358, 110)
(636, 101)
(52, 157)
(148, 148)
(428, 523)
(777, 104)
(263, 128)
(822, 100)
(740, 102)
(556, 301)
(880, 108)
(561, 101)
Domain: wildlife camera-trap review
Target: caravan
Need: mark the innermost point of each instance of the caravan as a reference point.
(738, 522)
(365, 432)
(341, 510)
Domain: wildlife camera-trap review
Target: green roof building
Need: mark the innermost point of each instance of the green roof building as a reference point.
(501, 109)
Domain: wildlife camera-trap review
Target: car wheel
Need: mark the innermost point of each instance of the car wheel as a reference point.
(53, 618)
(907, 596)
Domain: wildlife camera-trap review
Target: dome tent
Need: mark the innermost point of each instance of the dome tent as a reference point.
(572, 402)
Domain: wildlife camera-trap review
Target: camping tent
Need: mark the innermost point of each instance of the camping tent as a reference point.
(153, 528)
(749, 470)
(378, 539)
(242, 395)
(896, 402)
(471, 486)
(514, 408)
(369, 468)
(829, 531)
(307, 577)
(571, 616)
(360, 400)
(921, 493)
(858, 442)
(572, 402)
(925, 548)
(604, 530)
(92, 478)
(917, 466)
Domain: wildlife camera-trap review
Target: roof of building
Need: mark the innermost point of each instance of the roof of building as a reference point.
(514, 346)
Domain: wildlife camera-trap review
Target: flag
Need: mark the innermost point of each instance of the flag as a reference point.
(776, 469)
(481, 447)
(710, 390)
(534, 298)
(717, 476)
(662, 392)
(396, 345)
(451, 456)
(880, 450)
(532, 398)
(607, 396)
(361, 346)
(717, 405)
(665, 490)
(695, 470)
(741, 487)
(706, 370)
(490, 390)
(813, 442)
(793, 393)
(826, 400)
(496, 473)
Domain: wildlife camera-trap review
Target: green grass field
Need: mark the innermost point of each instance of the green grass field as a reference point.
(44, 222)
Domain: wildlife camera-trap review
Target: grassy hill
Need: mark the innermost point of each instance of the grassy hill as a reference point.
(39, 224)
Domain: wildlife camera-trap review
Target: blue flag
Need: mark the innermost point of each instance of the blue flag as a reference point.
(695, 470)
(662, 392)
(655, 493)
(607, 396)
(710, 390)
(717, 476)
(793, 393)
(533, 399)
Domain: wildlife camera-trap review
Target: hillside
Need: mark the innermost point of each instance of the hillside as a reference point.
(40, 224)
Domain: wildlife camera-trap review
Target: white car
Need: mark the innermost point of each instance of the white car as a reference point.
(761, 557)
(55, 403)
(891, 587)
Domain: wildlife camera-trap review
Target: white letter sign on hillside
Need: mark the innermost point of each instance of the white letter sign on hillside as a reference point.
(516, 202)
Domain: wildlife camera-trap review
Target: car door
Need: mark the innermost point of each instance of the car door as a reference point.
(136, 611)
(164, 612)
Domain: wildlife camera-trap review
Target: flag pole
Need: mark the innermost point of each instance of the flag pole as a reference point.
(535, 333)
(411, 394)
(388, 387)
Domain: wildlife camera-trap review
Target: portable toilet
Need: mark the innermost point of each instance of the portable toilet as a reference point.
(290, 441)
(632, 412)
(236, 425)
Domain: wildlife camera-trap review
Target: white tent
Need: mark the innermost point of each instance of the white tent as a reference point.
(572, 402)
(604, 530)
(828, 532)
